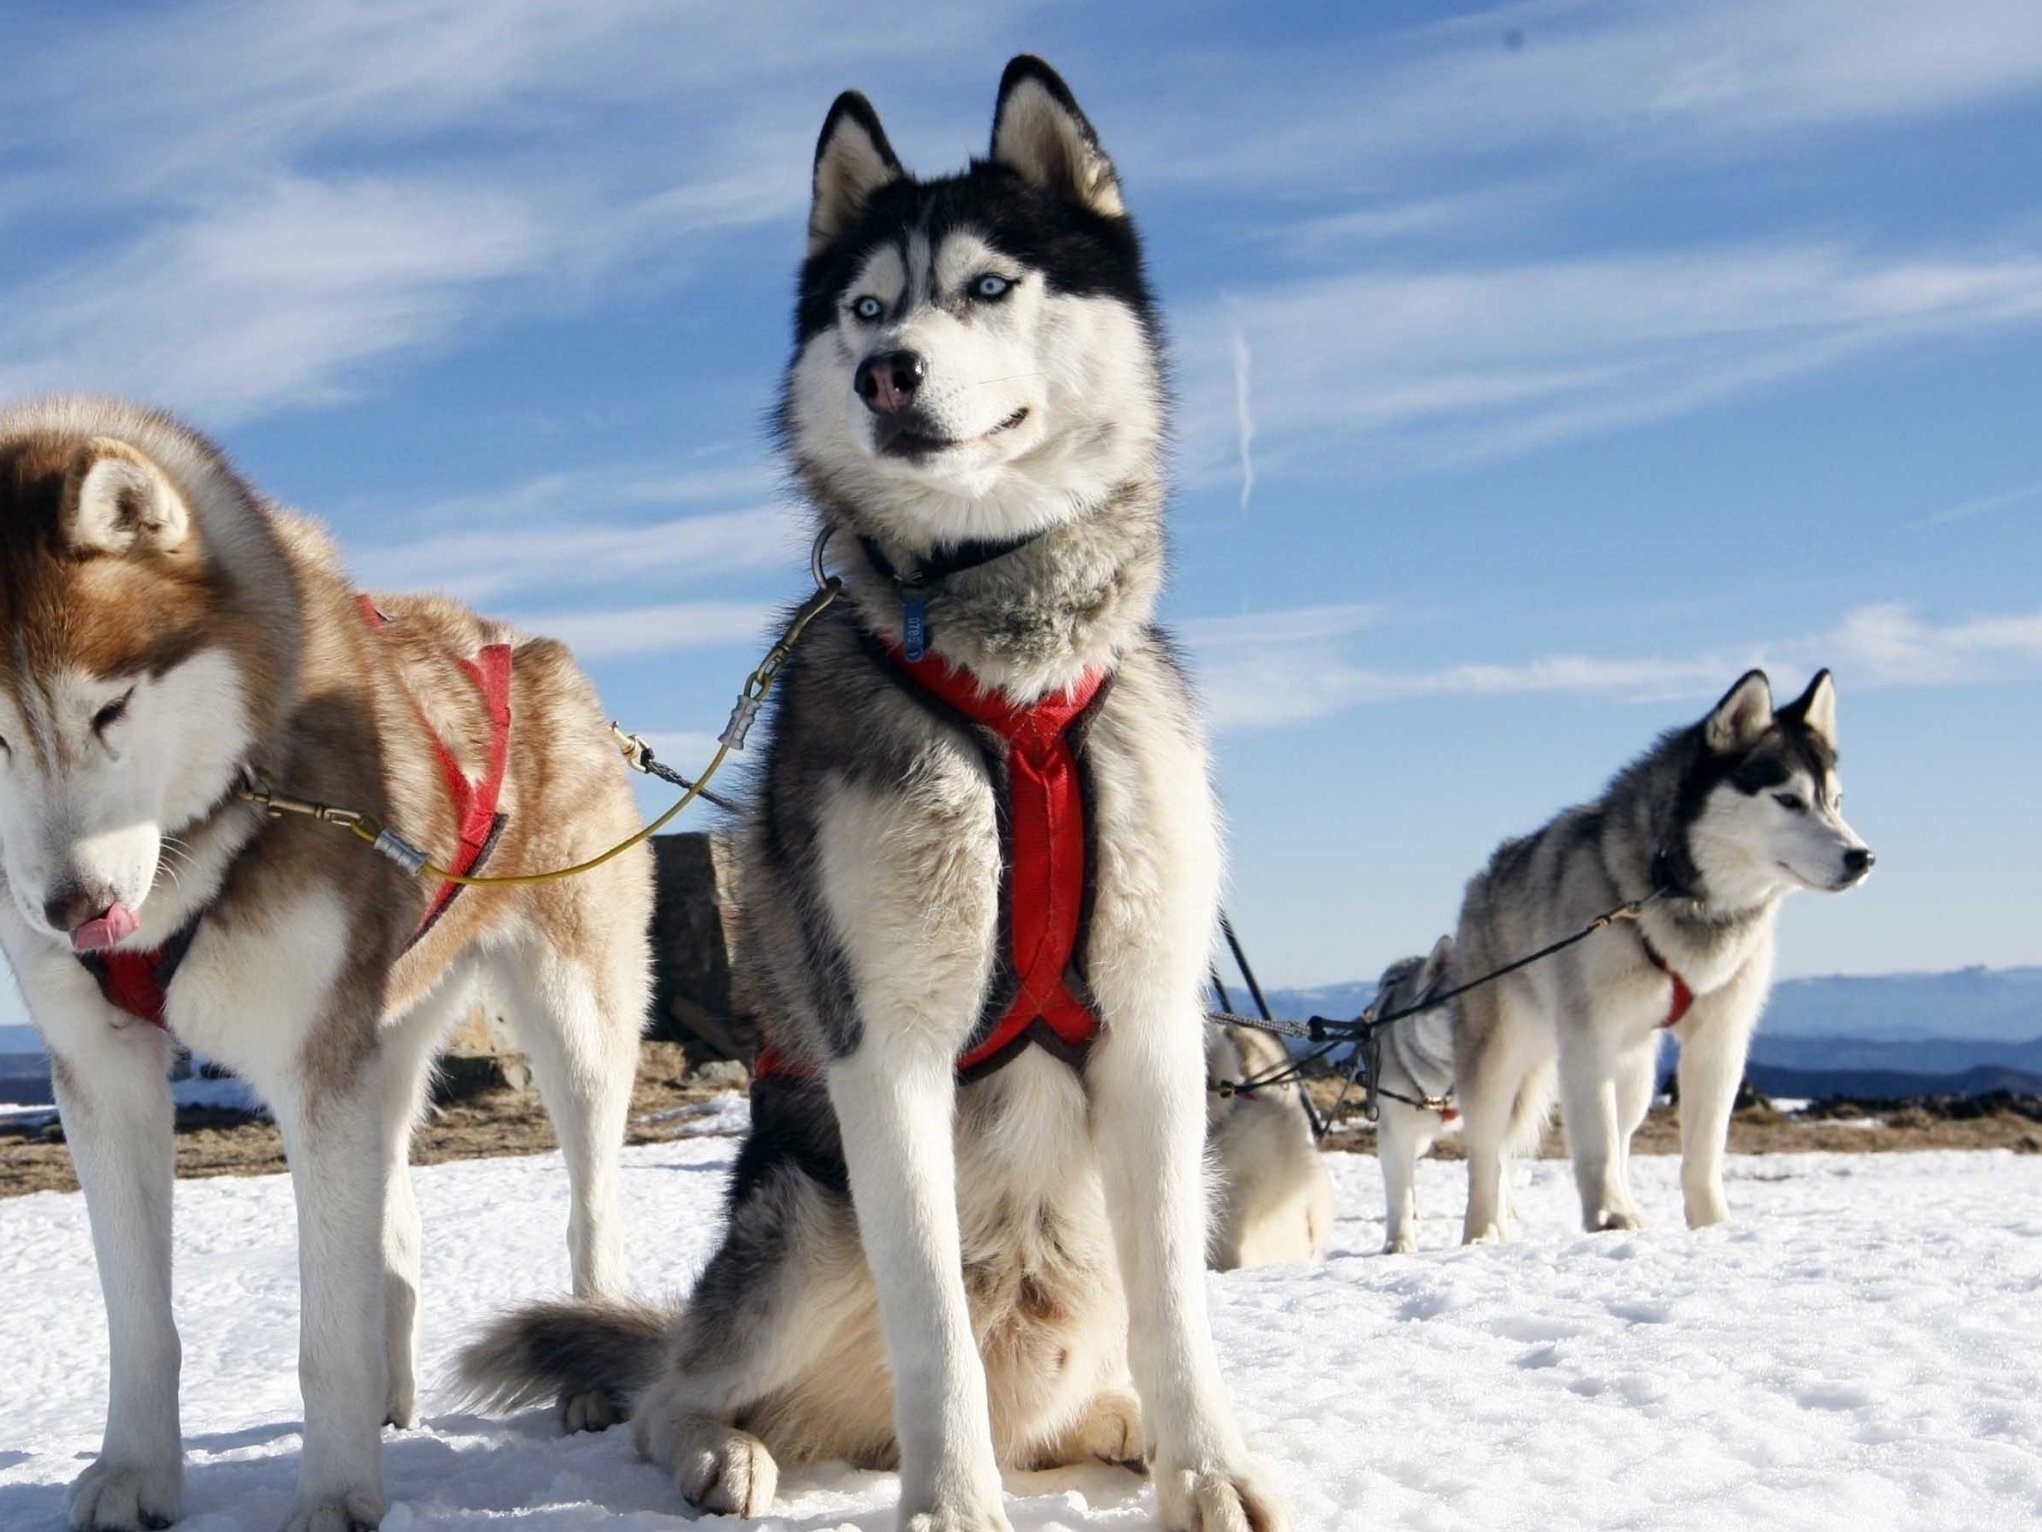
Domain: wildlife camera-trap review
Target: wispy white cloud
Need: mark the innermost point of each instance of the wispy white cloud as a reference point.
(267, 304)
(491, 562)
(522, 152)
(1397, 369)
(1293, 667)
(1289, 625)
(607, 632)
(1641, 82)
(1983, 505)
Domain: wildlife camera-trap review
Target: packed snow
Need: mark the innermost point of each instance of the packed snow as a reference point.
(1858, 1350)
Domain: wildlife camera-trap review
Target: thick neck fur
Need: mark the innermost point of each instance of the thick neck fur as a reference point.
(1032, 622)
(1702, 930)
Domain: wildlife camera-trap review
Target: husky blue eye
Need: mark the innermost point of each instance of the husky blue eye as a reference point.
(868, 308)
(1792, 801)
(990, 286)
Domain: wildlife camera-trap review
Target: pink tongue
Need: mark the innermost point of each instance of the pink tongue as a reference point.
(116, 925)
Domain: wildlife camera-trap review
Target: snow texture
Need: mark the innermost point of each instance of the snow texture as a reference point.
(1858, 1350)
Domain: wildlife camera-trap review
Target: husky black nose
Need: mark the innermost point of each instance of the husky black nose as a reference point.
(70, 905)
(887, 382)
(1858, 861)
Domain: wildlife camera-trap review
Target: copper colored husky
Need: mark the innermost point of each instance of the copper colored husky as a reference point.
(168, 633)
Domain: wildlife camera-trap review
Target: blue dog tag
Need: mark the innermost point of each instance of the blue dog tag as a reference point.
(914, 628)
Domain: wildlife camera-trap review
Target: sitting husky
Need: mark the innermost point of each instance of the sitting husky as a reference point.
(170, 635)
(1275, 1198)
(1721, 819)
(1414, 1079)
(979, 887)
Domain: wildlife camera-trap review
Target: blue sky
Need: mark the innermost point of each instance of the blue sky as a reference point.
(1539, 366)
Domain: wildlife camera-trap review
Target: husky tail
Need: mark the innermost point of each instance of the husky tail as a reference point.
(602, 1348)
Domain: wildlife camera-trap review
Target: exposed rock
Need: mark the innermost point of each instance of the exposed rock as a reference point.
(695, 1000)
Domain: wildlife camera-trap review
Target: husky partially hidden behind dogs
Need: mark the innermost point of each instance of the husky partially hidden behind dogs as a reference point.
(170, 636)
(1721, 821)
(1275, 1197)
(1414, 1078)
(978, 889)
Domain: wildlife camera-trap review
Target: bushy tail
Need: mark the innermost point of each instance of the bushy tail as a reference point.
(549, 1350)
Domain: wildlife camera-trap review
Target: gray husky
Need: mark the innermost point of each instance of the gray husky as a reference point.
(1722, 820)
(1414, 1080)
(979, 888)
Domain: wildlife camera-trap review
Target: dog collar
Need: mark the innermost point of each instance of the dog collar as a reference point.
(931, 571)
(1683, 995)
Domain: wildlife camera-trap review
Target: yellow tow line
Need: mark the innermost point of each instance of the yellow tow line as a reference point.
(257, 788)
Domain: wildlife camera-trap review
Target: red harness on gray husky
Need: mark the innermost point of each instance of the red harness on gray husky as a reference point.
(1045, 888)
(139, 982)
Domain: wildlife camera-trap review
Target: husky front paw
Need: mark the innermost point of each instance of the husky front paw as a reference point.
(716, 1467)
(1400, 1244)
(358, 1510)
(119, 1497)
(1484, 1234)
(1236, 1499)
(955, 1518)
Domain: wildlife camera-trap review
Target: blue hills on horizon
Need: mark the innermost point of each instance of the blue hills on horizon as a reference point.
(1960, 1032)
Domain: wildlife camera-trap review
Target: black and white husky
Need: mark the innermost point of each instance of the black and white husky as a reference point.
(978, 892)
(1724, 819)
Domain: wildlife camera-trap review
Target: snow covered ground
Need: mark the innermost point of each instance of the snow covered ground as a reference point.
(1859, 1350)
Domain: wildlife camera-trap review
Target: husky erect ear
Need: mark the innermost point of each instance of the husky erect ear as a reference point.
(1434, 973)
(1745, 713)
(1815, 709)
(1039, 133)
(116, 500)
(852, 161)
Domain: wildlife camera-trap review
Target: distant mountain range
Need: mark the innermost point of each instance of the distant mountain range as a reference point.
(1885, 1036)
(1999, 1005)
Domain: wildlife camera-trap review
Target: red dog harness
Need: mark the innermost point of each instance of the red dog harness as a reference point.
(1038, 996)
(1683, 996)
(139, 982)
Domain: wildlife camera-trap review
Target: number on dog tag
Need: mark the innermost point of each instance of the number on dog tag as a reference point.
(914, 628)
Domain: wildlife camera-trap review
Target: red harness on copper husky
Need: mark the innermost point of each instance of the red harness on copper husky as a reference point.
(139, 982)
(1038, 995)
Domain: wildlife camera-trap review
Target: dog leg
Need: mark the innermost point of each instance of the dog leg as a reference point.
(896, 1100)
(409, 1048)
(1147, 1079)
(330, 1115)
(1637, 1079)
(1397, 1151)
(1488, 1086)
(1588, 1106)
(1712, 1055)
(116, 1113)
(584, 1054)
